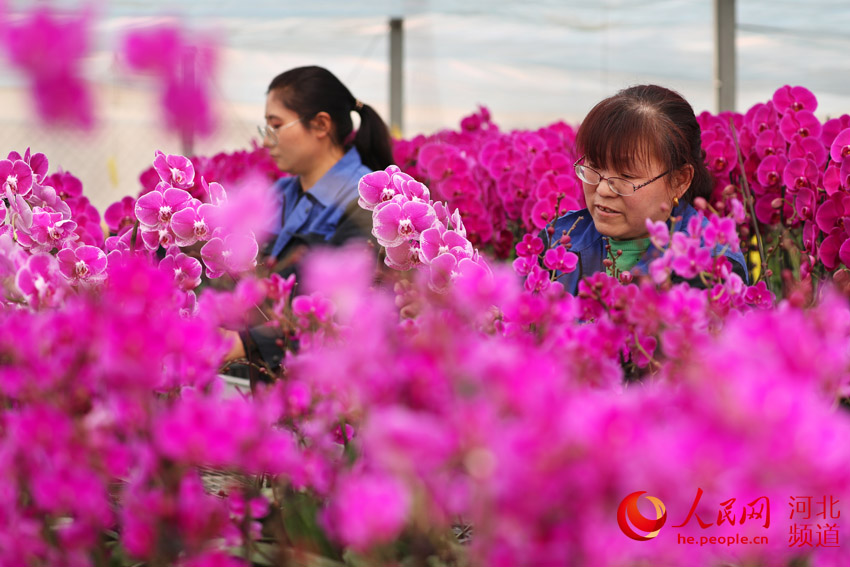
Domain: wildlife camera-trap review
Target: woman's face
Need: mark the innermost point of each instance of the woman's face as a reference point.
(293, 147)
(624, 217)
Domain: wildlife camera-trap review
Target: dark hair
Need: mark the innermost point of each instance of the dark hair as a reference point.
(308, 91)
(648, 121)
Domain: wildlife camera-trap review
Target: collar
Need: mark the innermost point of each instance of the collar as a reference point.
(334, 187)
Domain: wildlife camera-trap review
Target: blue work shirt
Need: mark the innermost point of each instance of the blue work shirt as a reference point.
(318, 210)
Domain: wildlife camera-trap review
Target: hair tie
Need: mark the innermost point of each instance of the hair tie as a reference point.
(358, 105)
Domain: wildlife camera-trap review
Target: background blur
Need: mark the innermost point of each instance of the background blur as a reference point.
(531, 63)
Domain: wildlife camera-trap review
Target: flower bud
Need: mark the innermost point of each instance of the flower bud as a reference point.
(700, 203)
(776, 203)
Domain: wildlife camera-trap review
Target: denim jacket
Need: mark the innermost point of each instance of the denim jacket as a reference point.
(589, 245)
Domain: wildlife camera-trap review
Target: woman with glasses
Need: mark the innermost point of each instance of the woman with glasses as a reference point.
(310, 134)
(641, 158)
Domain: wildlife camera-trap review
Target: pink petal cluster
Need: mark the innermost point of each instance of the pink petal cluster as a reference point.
(184, 69)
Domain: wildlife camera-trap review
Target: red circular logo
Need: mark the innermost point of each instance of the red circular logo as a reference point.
(628, 515)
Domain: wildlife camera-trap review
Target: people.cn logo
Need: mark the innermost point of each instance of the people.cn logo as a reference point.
(628, 515)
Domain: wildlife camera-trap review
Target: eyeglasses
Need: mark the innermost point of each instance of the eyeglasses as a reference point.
(618, 185)
(270, 132)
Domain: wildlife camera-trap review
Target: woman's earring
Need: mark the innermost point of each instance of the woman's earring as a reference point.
(675, 202)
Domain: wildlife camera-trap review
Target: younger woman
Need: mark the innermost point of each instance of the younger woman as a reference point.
(310, 134)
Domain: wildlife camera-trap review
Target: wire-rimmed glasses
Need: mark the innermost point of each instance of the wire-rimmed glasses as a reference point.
(269, 132)
(618, 185)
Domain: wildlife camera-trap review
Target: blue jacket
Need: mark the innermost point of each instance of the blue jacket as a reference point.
(589, 245)
(315, 215)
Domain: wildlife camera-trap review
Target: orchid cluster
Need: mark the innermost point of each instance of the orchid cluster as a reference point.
(796, 169)
(415, 231)
(503, 184)
(230, 169)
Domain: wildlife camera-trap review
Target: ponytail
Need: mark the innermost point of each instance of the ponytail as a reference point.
(373, 139)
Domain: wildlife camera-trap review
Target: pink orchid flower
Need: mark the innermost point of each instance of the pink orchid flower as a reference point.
(530, 245)
(396, 222)
(560, 259)
(120, 216)
(801, 173)
(155, 209)
(770, 171)
(374, 188)
(37, 162)
(185, 269)
(175, 170)
(840, 147)
(193, 224)
(404, 256)
(16, 178)
(233, 254)
(802, 123)
(49, 230)
(82, 265)
(438, 240)
(794, 99)
(41, 281)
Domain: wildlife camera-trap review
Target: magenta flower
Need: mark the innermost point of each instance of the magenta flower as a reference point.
(279, 289)
(37, 162)
(82, 265)
(447, 267)
(721, 231)
(120, 215)
(185, 269)
(404, 256)
(659, 233)
(41, 281)
(184, 72)
(560, 259)
(802, 123)
(153, 49)
(721, 157)
(234, 254)
(312, 309)
(538, 280)
(48, 48)
(687, 257)
(16, 178)
(769, 143)
(523, 265)
(795, 99)
(375, 188)
(155, 209)
(809, 147)
(801, 173)
(193, 224)
(436, 241)
(530, 245)
(175, 170)
(840, 147)
(49, 230)
(770, 172)
(367, 510)
(832, 182)
(764, 117)
(157, 238)
(395, 222)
